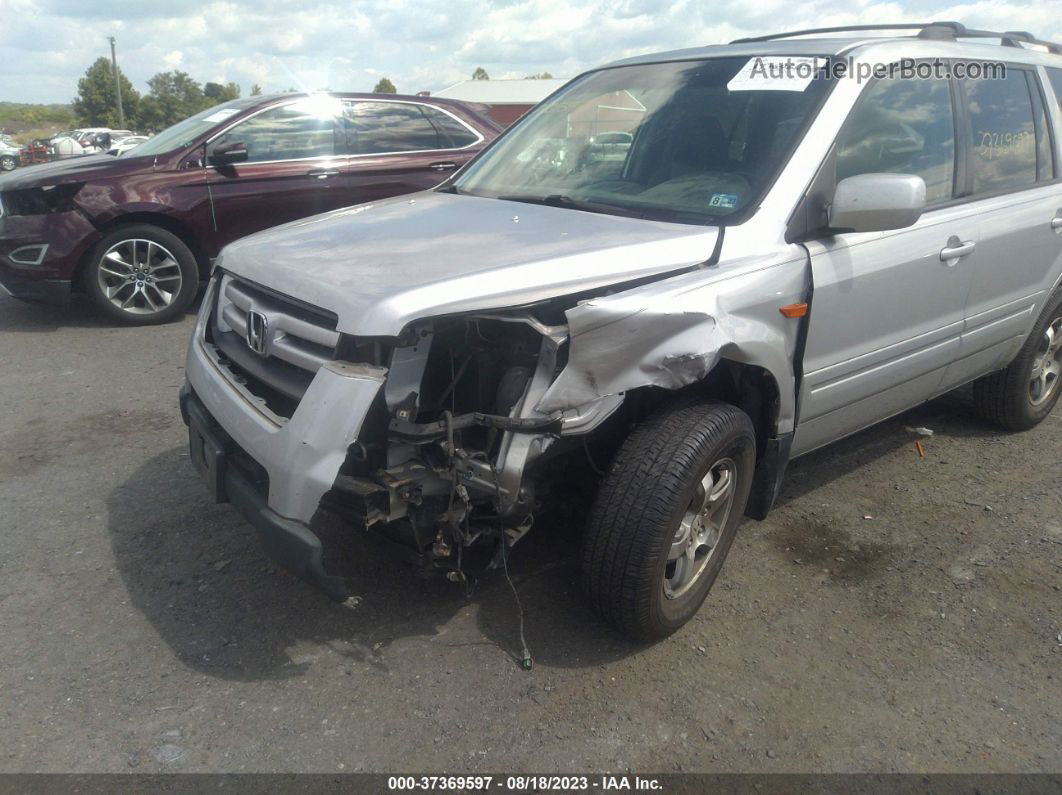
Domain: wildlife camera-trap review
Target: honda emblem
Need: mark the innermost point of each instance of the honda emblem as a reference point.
(256, 332)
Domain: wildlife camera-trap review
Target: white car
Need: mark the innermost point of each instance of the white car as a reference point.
(125, 144)
(10, 155)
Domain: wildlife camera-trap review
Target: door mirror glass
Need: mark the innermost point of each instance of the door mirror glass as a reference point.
(876, 202)
(228, 152)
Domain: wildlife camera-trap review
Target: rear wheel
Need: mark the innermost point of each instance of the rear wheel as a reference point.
(142, 275)
(665, 516)
(8, 163)
(1022, 395)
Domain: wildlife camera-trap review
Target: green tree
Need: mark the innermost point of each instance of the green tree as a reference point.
(256, 90)
(385, 86)
(221, 93)
(96, 105)
(543, 76)
(174, 96)
(480, 74)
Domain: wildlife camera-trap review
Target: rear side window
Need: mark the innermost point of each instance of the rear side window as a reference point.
(902, 127)
(289, 132)
(1054, 76)
(452, 133)
(1003, 133)
(1045, 155)
(380, 127)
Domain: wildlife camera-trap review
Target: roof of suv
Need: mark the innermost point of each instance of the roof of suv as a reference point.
(831, 42)
(431, 100)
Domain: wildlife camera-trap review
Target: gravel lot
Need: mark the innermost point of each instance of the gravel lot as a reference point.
(894, 613)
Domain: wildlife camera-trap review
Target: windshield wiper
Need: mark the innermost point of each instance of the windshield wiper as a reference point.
(568, 203)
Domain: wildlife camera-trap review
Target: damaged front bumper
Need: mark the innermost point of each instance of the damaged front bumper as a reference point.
(290, 544)
(275, 470)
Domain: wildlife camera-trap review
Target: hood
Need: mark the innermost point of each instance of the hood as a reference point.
(380, 266)
(74, 169)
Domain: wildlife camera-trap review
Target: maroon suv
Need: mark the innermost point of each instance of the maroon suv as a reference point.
(136, 232)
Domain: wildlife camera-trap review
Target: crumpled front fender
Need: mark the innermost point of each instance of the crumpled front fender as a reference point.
(672, 333)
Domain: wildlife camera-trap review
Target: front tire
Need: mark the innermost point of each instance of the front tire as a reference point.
(665, 516)
(8, 163)
(142, 275)
(1022, 395)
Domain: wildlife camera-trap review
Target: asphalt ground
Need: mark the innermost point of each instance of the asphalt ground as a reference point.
(894, 613)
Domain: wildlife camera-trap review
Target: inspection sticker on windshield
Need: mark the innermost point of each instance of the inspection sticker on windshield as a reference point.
(775, 73)
(221, 115)
(728, 201)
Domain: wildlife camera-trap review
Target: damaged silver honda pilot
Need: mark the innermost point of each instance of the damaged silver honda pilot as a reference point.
(681, 270)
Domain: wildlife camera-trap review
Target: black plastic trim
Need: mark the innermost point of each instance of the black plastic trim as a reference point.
(767, 479)
(44, 291)
(291, 545)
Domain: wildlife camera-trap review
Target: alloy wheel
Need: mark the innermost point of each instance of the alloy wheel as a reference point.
(697, 537)
(1047, 365)
(139, 276)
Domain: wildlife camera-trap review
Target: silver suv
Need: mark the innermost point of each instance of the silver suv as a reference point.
(800, 236)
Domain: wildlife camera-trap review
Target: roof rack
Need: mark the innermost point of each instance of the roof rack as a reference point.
(946, 31)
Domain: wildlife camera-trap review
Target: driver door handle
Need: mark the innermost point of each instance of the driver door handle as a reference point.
(447, 166)
(955, 248)
(323, 173)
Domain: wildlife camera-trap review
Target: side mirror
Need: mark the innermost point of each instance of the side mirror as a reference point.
(876, 202)
(227, 153)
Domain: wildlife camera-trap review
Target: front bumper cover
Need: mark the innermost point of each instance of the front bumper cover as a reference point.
(302, 455)
(290, 544)
(44, 291)
(67, 235)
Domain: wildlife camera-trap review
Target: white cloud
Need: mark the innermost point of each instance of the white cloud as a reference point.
(419, 44)
(172, 60)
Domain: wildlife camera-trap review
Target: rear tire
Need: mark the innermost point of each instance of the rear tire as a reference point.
(8, 163)
(142, 275)
(1022, 395)
(657, 537)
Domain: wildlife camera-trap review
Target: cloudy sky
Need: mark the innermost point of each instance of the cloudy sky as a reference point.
(46, 45)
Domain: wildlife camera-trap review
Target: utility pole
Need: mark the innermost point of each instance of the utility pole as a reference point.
(117, 84)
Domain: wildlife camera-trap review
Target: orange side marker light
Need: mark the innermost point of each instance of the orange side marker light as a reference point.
(794, 310)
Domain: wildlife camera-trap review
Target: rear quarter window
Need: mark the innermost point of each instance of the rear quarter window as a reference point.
(452, 133)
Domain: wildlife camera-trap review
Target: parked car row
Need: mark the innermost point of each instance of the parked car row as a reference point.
(87, 141)
(69, 143)
(659, 286)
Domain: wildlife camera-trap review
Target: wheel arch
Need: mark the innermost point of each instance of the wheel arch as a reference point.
(166, 222)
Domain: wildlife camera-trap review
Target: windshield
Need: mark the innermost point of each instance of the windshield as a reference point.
(184, 133)
(691, 141)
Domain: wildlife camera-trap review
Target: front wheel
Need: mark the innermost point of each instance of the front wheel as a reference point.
(142, 275)
(665, 516)
(8, 163)
(1022, 395)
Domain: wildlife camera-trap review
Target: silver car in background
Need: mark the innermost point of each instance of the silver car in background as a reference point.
(780, 255)
(10, 154)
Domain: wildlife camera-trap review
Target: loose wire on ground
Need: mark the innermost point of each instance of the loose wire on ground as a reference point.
(526, 663)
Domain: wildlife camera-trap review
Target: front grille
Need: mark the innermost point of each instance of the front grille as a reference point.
(292, 343)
